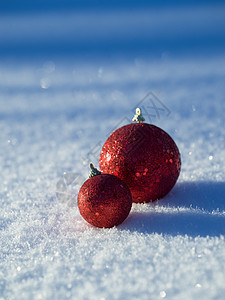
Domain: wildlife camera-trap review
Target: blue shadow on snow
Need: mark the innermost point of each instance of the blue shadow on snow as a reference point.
(206, 217)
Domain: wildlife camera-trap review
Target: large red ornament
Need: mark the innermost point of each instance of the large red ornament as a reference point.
(145, 157)
(104, 200)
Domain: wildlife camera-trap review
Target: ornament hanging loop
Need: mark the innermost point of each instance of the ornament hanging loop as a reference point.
(138, 117)
(93, 171)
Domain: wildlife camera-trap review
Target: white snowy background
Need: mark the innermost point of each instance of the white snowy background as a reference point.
(68, 77)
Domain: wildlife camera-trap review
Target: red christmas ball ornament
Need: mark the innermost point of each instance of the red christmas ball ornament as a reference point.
(104, 200)
(144, 156)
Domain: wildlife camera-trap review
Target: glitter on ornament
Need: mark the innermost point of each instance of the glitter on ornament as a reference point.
(145, 157)
(104, 200)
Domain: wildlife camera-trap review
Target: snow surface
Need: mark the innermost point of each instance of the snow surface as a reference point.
(55, 115)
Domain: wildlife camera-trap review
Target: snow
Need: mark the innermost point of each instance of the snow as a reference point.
(56, 111)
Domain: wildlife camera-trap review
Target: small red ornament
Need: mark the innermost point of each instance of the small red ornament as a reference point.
(104, 200)
(145, 157)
